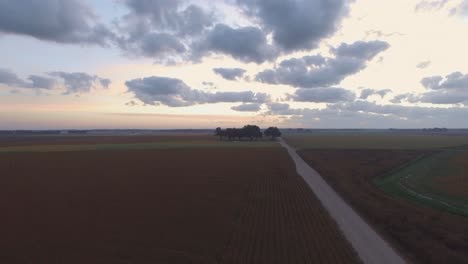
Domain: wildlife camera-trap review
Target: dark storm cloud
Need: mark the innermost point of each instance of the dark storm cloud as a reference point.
(322, 95)
(365, 93)
(79, 82)
(175, 93)
(249, 107)
(423, 64)
(247, 44)
(317, 71)
(60, 21)
(230, 73)
(297, 24)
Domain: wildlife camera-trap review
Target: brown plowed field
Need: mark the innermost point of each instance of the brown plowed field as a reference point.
(162, 206)
(424, 235)
(8, 141)
(457, 183)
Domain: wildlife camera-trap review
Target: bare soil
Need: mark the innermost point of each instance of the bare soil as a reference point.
(162, 206)
(8, 141)
(422, 234)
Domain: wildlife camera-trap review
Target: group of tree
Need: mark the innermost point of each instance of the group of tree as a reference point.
(251, 132)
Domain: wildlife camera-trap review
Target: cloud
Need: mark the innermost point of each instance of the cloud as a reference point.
(230, 73)
(426, 5)
(453, 89)
(318, 71)
(366, 93)
(9, 78)
(247, 44)
(250, 107)
(364, 114)
(363, 50)
(455, 81)
(42, 82)
(175, 93)
(68, 21)
(423, 64)
(79, 82)
(162, 29)
(155, 45)
(73, 83)
(166, 16)
(131, 103)
(322, 95)
(297, 24)
(380, 33)
(461, 9)
(282, 109)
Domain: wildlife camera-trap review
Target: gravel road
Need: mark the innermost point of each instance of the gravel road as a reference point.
(370, 247)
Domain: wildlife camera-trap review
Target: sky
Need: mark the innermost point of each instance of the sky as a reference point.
(163, 64)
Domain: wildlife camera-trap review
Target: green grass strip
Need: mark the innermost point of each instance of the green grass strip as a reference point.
(415, 182)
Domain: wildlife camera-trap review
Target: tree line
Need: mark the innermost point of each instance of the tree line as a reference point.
(251, 132)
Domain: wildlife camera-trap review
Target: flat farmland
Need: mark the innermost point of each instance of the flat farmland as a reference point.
(382, 140)
(439, 180)
(192, 205)
(98, 143)
(422, 234)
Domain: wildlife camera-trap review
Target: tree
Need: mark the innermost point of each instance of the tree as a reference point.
(219, 132)
(272, 132)
(252, 132)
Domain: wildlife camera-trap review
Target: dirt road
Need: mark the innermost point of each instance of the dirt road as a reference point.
(370, 247)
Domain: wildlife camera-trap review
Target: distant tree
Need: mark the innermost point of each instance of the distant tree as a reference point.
(272, 132)
(252, 132)
(219, 132)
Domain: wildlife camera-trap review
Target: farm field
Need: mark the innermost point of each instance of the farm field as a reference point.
(374, 141)
(421, 233)
(439, 180)
(191, 205)
(93, 143)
